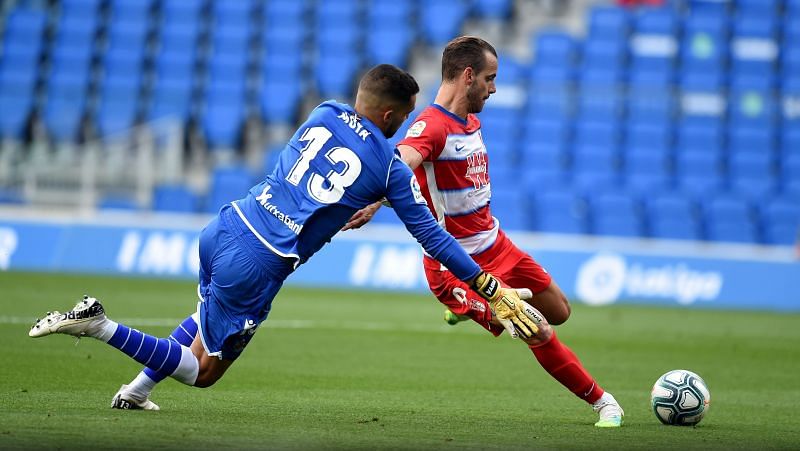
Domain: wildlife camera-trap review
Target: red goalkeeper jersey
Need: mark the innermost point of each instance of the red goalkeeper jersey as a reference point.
(454, 175)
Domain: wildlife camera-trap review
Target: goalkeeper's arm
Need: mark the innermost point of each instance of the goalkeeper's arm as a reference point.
(519, 318)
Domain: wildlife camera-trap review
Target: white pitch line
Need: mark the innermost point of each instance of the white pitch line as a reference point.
(288, 324)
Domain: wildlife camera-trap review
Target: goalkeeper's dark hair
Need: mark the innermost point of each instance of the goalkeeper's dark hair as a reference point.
(388, 82)
(463, 52)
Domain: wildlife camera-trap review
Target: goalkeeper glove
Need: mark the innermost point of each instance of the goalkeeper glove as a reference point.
(514, 314)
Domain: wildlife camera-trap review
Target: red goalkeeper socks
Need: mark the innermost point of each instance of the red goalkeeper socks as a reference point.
(564, 366)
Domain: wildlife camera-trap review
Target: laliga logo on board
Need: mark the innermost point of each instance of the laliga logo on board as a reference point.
(605, 278)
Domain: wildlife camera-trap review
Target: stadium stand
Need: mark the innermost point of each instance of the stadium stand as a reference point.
(678, 121)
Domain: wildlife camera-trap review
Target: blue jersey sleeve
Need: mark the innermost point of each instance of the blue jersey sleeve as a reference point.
(403, 192)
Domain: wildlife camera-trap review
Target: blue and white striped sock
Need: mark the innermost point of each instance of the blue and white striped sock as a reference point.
(183, 335)
(161, 355)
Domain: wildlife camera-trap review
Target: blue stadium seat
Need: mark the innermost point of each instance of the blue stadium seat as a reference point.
(600, 102)
(609, 23)
(181, 12)
(231, 42)
(335, 12)
(752, 140)
(271, 156)
(544, 156)
(377, 52)
(338, 83)
(555, 47)
(539, 178)
(223, 115)
(174, 69)
(282, 66)
(227, 183)
(64, 107)
(510, 206)
(119, 105)
(25, 23)
(343, 37)
(614, 213)
(179, 39)
(232, 15)
(277, 11)
(700, 135)
(79, 7)
(280, 100)
(548, 132)
(603, 135)
(441, 20)
(493, 9)
(227, 69)
(641, 163)
(729, 218)
(559, 211)
(780, 221)
(550, 101)
(16, 106)
(790, 140)
(698, 173)
(672, 216)
(171, 99)
(388, 12)
(790, 173)
(752, 108)
(284, 37)
(134, 11)
(175, 198)
(594, 168)
(656, 21)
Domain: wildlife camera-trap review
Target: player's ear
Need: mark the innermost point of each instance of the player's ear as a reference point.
(469, 75)
(387, 116)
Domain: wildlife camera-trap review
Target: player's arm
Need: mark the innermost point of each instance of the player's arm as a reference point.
(412, 158)
(404, 194)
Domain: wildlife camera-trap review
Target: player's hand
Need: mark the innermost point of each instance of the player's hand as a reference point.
(362, 216)
(516, 315)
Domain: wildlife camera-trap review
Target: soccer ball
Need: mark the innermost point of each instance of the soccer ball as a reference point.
(680, 397)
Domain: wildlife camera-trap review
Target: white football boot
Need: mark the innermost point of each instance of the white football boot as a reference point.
(125, 399)
(86, 318)
(610, 412)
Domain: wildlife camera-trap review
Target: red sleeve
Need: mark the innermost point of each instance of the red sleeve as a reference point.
(427, 135)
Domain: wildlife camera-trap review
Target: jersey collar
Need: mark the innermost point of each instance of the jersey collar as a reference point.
(447, 112)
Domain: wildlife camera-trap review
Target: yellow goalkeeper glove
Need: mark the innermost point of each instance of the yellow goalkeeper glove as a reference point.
(513, 313)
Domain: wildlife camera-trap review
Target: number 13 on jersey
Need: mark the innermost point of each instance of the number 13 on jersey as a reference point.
(336, 181)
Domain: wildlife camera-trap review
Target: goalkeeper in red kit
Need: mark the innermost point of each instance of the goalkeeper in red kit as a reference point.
(445, 149)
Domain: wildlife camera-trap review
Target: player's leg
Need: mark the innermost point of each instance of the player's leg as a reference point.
(88, 318)
(520, 270)
(136, 393)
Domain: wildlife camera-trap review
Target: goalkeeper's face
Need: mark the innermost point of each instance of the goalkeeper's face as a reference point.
(395, 117)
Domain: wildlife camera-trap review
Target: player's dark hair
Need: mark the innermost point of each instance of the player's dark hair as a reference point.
(389, 82)
(463, 52)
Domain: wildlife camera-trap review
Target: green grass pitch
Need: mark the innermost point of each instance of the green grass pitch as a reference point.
(368, 370)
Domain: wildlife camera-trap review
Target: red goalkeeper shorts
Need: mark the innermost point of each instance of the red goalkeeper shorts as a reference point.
(505, 261)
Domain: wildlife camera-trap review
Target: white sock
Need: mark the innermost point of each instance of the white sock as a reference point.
(607, 398)
(188, 368)
(141, 386)
(103, 331)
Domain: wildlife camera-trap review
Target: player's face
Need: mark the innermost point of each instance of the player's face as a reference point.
(483, 85)
(399, 116)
